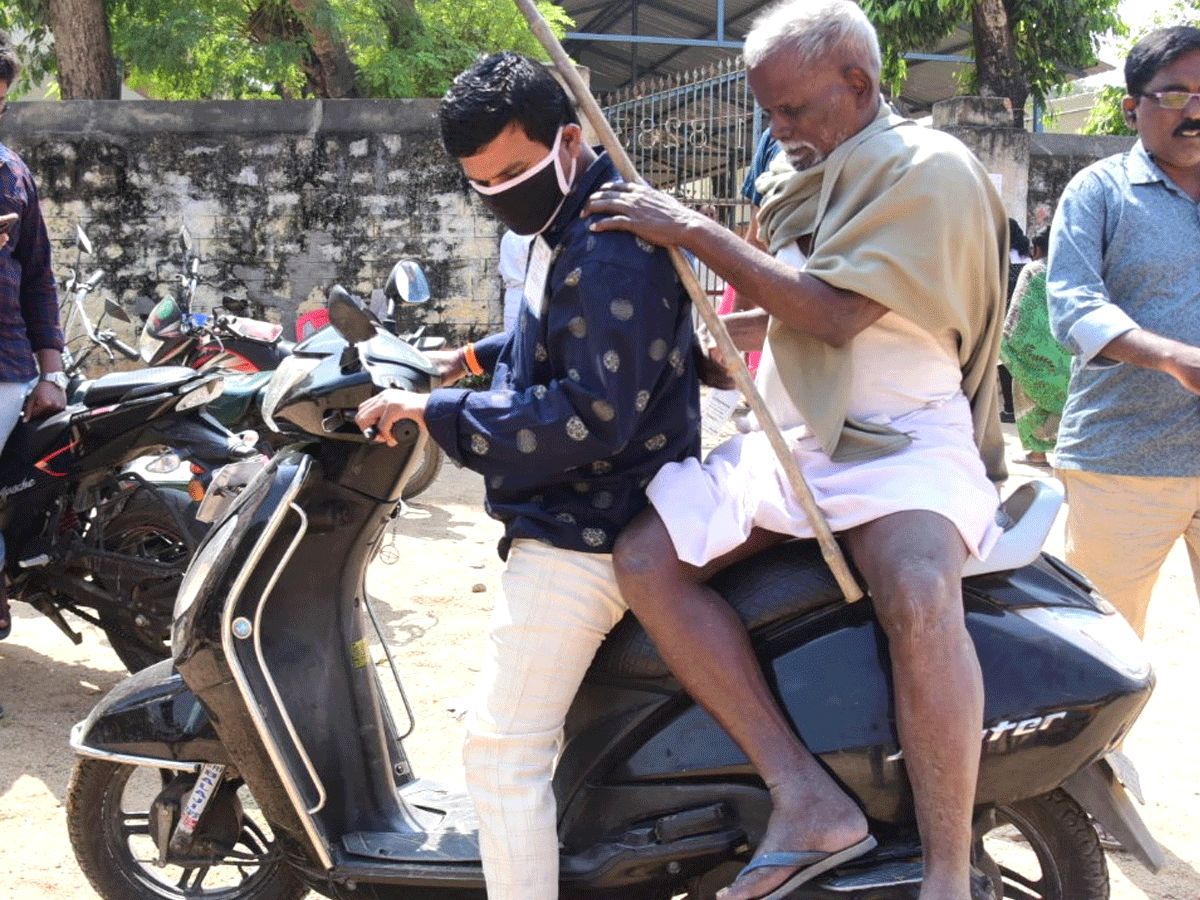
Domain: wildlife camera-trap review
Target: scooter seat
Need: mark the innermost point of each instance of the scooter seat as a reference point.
(116, 386)
(791, 579)
(784, 582)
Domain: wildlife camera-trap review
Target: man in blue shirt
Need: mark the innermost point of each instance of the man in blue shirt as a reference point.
(590, 395)
(1124, 297)
(31, 341)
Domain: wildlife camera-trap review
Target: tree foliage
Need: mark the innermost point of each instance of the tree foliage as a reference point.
(1106, 116)
(1050, 39)
(244, 49)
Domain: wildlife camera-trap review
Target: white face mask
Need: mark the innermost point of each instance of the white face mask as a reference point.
(528, 203)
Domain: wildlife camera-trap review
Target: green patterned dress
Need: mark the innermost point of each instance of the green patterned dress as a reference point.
(1040, 366)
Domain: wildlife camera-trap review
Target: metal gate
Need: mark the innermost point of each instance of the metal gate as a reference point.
(693, 135)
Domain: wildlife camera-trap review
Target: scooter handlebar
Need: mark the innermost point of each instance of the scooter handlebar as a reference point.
(405, 431)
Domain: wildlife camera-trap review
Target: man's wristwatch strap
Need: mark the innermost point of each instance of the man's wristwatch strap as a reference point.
(58, 379)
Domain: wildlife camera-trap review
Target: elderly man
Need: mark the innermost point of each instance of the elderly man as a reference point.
(885, 294)
(1123, 295)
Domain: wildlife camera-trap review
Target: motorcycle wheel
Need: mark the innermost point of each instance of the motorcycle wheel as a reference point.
(431, 464)
(108, 815)
(1044, 848)
(140, 629)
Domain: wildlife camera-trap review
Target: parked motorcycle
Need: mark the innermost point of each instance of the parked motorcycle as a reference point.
(178, 334)
(169, 467)
(87, 536)
(262, 762)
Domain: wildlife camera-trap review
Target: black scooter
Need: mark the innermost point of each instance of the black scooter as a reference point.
(262, 761)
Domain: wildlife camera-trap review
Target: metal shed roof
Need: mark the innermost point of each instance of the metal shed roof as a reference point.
(624, 41)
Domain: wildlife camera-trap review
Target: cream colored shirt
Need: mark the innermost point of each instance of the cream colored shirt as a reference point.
(896, 368)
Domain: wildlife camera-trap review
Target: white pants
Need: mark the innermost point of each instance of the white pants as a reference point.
(555, 608)
(12, 401)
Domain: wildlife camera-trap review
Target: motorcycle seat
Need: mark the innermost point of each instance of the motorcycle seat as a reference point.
(116, 386)
(241, 392)
(791, 579)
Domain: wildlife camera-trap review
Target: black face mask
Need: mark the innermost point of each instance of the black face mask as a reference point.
(528, 203)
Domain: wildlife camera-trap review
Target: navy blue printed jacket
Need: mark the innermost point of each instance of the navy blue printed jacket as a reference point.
(589, 398)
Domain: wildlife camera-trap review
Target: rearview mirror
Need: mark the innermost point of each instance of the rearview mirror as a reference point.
(116, 310)
(81, 240)
(347, 318)
(407, 283)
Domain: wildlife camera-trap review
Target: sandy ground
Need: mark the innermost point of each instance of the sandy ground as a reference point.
(436, 594)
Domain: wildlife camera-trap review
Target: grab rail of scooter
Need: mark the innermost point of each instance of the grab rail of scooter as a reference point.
(239, 674)
(322, 796)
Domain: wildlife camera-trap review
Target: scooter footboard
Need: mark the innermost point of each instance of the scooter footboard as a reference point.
(153, 719)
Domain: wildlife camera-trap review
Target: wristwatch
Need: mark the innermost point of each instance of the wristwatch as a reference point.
(58, 379)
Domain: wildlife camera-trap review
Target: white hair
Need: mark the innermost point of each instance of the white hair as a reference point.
(814, 30)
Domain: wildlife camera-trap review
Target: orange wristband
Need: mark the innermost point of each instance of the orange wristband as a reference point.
(473, 365)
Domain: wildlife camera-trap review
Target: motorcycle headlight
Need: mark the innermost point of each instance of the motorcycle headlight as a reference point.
(290, 373)
(148, 346)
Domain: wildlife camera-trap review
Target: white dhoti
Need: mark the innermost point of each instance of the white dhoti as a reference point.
(710, 508)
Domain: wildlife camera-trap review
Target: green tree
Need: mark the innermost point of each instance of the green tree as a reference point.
(236, 49)
(1106, 116)
(1022, 48)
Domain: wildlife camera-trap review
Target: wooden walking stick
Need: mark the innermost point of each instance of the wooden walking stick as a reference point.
(741, 375)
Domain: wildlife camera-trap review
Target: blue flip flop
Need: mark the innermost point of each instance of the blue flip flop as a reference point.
(807, 863)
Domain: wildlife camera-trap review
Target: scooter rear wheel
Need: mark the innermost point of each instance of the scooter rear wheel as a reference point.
(108, 820)
(1044, 848)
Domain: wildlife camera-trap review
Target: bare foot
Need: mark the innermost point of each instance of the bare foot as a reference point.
(799, 822)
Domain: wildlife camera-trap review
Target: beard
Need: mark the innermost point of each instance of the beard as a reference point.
(803, 155)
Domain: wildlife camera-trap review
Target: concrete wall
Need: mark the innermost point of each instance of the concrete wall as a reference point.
(984, 124)
(1032, 168)
(283, 200)
(1053, 161)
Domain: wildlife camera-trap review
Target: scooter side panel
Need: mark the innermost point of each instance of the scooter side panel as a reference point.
(1054, 703)
(317, 704)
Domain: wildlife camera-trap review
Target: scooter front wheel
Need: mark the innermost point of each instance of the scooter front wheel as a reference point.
(108, 820)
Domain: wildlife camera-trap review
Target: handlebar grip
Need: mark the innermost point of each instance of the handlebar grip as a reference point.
(124, 349)
(404, 431)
